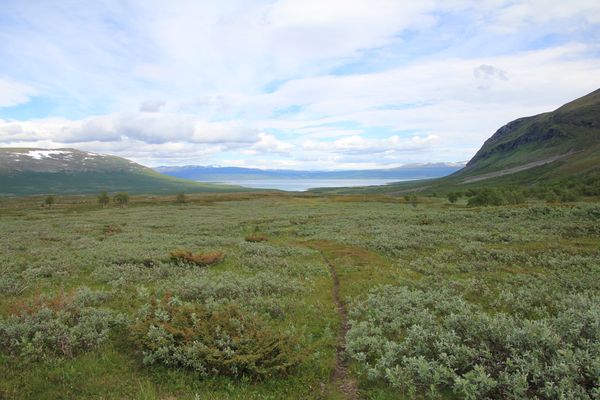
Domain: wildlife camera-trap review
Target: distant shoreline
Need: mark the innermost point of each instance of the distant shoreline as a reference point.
(303, 184)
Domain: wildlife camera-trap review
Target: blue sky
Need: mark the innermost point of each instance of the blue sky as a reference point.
(306, 84)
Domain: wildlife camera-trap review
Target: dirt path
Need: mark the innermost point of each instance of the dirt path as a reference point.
(366, 264)
(340, 377)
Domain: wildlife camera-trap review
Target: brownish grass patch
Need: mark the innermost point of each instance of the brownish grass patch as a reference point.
(202, 259)
(55, 302)
(111, 230)
(256, 237)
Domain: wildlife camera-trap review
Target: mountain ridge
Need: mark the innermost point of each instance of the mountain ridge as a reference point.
(31, 171)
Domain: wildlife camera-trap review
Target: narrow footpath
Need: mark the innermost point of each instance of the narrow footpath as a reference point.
(340, 377)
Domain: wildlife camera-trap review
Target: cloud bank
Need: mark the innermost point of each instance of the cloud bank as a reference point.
(312, 84)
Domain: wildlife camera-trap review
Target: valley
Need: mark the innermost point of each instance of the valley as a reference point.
(446, 275)
(299, 200)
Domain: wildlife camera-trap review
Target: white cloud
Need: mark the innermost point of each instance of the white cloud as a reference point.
(368, 147)
(13, 93)
(439, 99)
(152, 106)
(270, 144)
(314, 82)
(151, 128)
(530, 13)
(487, 74)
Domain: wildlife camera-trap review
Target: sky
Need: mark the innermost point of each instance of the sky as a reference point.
(300, 84)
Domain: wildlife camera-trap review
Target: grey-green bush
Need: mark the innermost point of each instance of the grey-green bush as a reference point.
(56, 332)
(431, 343)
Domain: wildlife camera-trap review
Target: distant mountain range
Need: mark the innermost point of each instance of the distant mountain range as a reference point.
(543, 148)
(225, 174)
(29, 171)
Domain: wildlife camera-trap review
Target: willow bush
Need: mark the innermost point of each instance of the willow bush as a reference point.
(430, 344)
(57, 326)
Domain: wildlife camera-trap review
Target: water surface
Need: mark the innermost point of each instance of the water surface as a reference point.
(300, 185)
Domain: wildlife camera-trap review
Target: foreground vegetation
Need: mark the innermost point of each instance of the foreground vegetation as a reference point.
(230, 296)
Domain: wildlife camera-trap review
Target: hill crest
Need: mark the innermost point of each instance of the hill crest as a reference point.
(61, 160)
(31, 171)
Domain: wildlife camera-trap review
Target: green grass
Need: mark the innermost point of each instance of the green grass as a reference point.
(485, 256)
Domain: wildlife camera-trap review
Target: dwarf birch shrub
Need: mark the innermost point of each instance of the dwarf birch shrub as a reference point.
(202, 259)
(220, 341)
(256, 237)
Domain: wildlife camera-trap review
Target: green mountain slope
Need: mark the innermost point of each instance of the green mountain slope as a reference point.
(29, 171)
(543, 148)
(567, 138)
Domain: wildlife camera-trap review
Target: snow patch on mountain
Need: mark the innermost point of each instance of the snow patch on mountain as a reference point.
(39, 154)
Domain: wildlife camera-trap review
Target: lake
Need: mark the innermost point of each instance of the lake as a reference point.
(300, 185)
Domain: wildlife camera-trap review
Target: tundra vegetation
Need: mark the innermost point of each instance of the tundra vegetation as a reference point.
(121, 199)
(103, 199)
(49, 200)
(443, 300)
(180, 198)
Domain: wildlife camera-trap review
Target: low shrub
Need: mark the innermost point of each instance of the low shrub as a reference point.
(202, 259)
(453, 197)
(256, 237)
(591, 212)
(221, 341)
(270, 251)
(121, 199)
(230, 286)
(487, 197)
(85, 297)
(429, 344)
(103, 199)
(496, 196)
(11, 285)
(111, 230)
(57, 326)
(180, 198)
